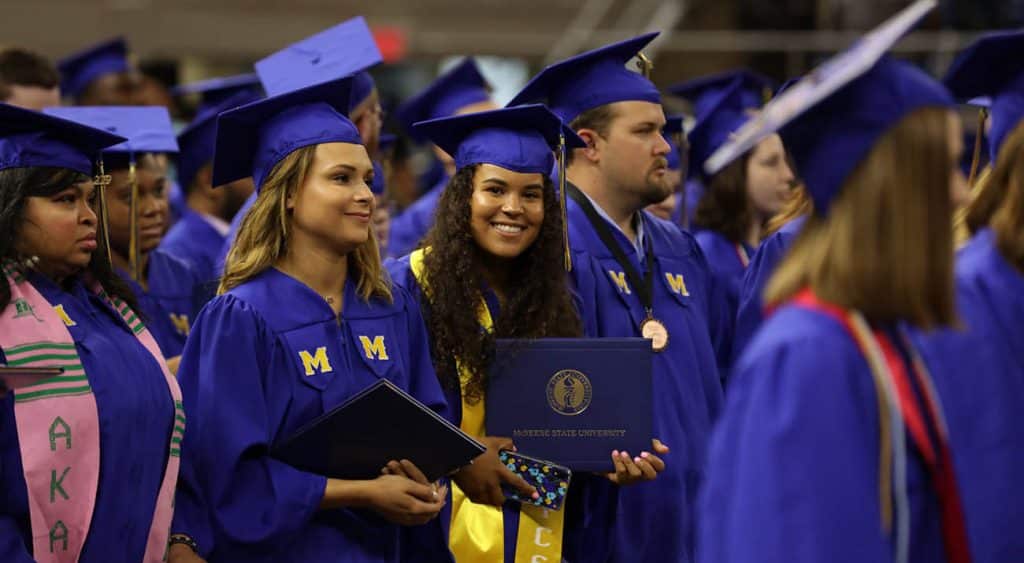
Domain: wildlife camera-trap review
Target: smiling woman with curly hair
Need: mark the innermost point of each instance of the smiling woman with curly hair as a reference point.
(493, 267)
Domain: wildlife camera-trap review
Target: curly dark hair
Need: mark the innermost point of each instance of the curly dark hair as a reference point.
(18, 184)
(724, 207)
(539, 305)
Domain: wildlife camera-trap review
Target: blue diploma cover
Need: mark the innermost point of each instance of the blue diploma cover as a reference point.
(572, 400)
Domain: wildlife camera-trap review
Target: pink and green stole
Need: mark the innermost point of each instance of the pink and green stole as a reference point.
(58, 426)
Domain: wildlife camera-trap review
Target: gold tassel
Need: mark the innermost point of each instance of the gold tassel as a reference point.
(561, 199)
(976, 157)
(134, 260)
(645, 65)
(101, 181)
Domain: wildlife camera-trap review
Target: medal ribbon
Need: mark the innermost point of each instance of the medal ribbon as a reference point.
(644, 287)
(925, 423)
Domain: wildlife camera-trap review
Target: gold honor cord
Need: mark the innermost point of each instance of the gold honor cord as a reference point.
(976, 156)
(561, 199)
(134, 261)
(101, 181)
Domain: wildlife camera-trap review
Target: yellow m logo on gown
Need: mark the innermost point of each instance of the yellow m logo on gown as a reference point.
(374, 349)
(180, 323)
(59, 309)
(677, 284)
(317, 362)
(620, 280)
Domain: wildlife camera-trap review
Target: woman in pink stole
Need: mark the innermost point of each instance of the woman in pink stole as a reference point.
(89, 455)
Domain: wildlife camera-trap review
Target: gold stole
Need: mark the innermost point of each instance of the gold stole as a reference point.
(477, 530)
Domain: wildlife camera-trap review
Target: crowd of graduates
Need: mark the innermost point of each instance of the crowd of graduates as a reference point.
(831, 295)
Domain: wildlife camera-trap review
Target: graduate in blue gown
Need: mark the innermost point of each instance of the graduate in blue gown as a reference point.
(739, 200)
(347, 48)
(198, 235)
(704, 92)
(57, 280)
(462, 89)
(98, 75)
(304, 320)
(514, 261)
(670, 297)
(834, 445)
(165, 286)
(990, 293)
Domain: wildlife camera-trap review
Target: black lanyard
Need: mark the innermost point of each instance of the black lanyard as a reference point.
(644, 287)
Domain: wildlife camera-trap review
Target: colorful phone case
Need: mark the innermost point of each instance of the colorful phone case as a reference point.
(550, 480)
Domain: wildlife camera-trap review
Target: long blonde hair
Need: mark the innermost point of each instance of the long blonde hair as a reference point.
(999, 202)
(263, 235)
(885, 245)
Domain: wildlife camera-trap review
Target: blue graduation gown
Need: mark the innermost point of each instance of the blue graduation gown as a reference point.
(727, 270)
(589, 506)
(195, 241)
(750, 310)
(413, 223)
(655, 520)
(793, 467)
(979, 373)
(694, 190)
(243, 377)
(169, 304)
(136, 413)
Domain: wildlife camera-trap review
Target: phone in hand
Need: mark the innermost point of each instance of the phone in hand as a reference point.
(550, 480)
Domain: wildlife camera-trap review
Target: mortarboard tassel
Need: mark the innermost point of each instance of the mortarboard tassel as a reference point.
(645, 65)
(101, 181)
(134, 262)
(976, 157)
(561, 199)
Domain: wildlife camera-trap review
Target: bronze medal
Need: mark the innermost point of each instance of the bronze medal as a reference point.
(653, 330)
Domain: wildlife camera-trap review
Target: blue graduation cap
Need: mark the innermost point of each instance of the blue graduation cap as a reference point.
(461, 86)
(673, 128)
(214, 91)
(345, 49)
(991, 69)
(591, 80)
(79, 70)
(252, 139)
(197, 141)
(701, 92)
(147, 128)
(521, 139)
(726, 111)
(29, 138)
(830, 119)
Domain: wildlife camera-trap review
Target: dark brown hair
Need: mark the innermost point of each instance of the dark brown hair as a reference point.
(21, 67)
(885, 245)
(538, 306)
(598, 119)
(724, 206)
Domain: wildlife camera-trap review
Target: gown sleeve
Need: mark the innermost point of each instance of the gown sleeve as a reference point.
(234, 396)
(793, 470)
(423, 382)
(12, 542)
(750, 312)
